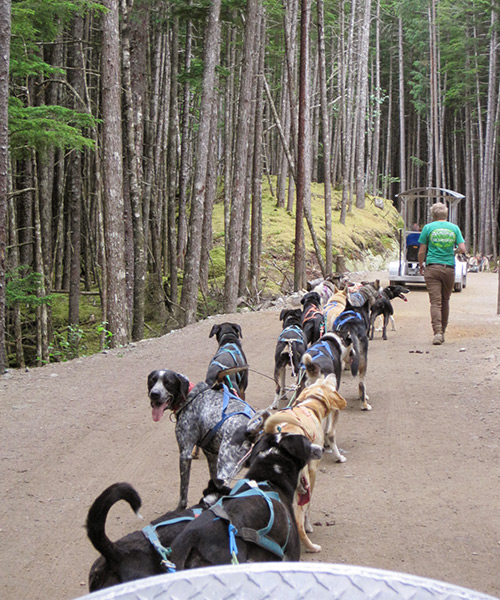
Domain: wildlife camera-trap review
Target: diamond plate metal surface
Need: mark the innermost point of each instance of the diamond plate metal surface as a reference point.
(289, 581)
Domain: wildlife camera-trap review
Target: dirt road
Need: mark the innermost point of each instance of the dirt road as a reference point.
(419, 493)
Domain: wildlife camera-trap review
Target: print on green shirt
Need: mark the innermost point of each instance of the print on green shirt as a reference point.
(443, 238)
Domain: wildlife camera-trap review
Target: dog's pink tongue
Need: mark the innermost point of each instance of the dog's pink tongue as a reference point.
(305, 496)
(158, 412)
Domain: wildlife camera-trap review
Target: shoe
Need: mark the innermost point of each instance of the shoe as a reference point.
(438, 339)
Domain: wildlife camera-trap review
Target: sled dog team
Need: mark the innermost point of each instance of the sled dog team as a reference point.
(263, 516)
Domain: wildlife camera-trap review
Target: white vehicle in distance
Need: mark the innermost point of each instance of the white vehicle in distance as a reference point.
(406, 269)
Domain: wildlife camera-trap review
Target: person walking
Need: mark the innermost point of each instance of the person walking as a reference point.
(438, 241)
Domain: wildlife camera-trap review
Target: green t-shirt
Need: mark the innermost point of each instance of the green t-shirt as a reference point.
(441, 238)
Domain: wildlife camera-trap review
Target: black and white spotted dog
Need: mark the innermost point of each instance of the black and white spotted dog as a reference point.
(204, 417)
(229, 355)
(290, 347)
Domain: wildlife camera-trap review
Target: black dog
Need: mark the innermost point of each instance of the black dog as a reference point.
(204, 417)
(383, 306)
(312, 320)
(134, 556)
(324, 357)
(229, 355)
(290, 347)
(255, 523)
(353, 325)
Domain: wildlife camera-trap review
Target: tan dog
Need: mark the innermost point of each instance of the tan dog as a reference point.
(314, 413)
(334, 306)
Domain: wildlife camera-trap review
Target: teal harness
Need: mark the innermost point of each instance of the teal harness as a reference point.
(247, 410)
(260, 537)
(150, 533)
(235, 352)
(292, 328)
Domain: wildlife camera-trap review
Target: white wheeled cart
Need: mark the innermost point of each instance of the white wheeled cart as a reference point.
(406, 270)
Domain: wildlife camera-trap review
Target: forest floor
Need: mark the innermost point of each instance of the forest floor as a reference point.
(419, 492)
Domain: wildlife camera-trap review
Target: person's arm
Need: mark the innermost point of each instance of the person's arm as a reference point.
(422, 253)
(461, 248)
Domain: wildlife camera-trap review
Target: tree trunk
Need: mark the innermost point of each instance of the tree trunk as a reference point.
(303, 172)
(114, 229)
(131, 129)
(185, 157)
(206, 242)
(362, 102)
(172, 161)
(256, 225)
(42, 322)
(231, 284)
(75, 187)
(402, 118)
(4, 140)
(325, 126)
(189, 297)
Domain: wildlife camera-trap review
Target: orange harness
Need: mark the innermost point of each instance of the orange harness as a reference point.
(311, 313)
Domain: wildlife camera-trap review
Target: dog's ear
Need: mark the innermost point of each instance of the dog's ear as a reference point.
(316, 452)
(183, 385)
(214, 331)
(297, 446)
(283, 313)
(238, 329)
(152, 377)
(340, 402)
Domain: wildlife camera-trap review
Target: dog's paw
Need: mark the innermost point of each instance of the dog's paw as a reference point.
(313, 548)
(340, 458)
(366, 406)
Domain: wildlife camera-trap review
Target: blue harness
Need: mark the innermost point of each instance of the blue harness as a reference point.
(292, 328)
(346, 317)
(150, 533)
(248, 411)
(259, 537)
(315, 351)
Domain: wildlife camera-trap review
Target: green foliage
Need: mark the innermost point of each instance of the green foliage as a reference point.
(42, 126)
(23, 286)
(66, 344)
(369, 229)
(35, 23)
(105, 334)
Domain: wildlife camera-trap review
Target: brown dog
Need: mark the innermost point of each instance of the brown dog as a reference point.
(314, 413)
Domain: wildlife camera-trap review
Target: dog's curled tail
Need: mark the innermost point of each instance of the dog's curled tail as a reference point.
(98, 512)
(312, 369)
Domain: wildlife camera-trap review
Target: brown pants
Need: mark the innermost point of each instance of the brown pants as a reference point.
(439, 280)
